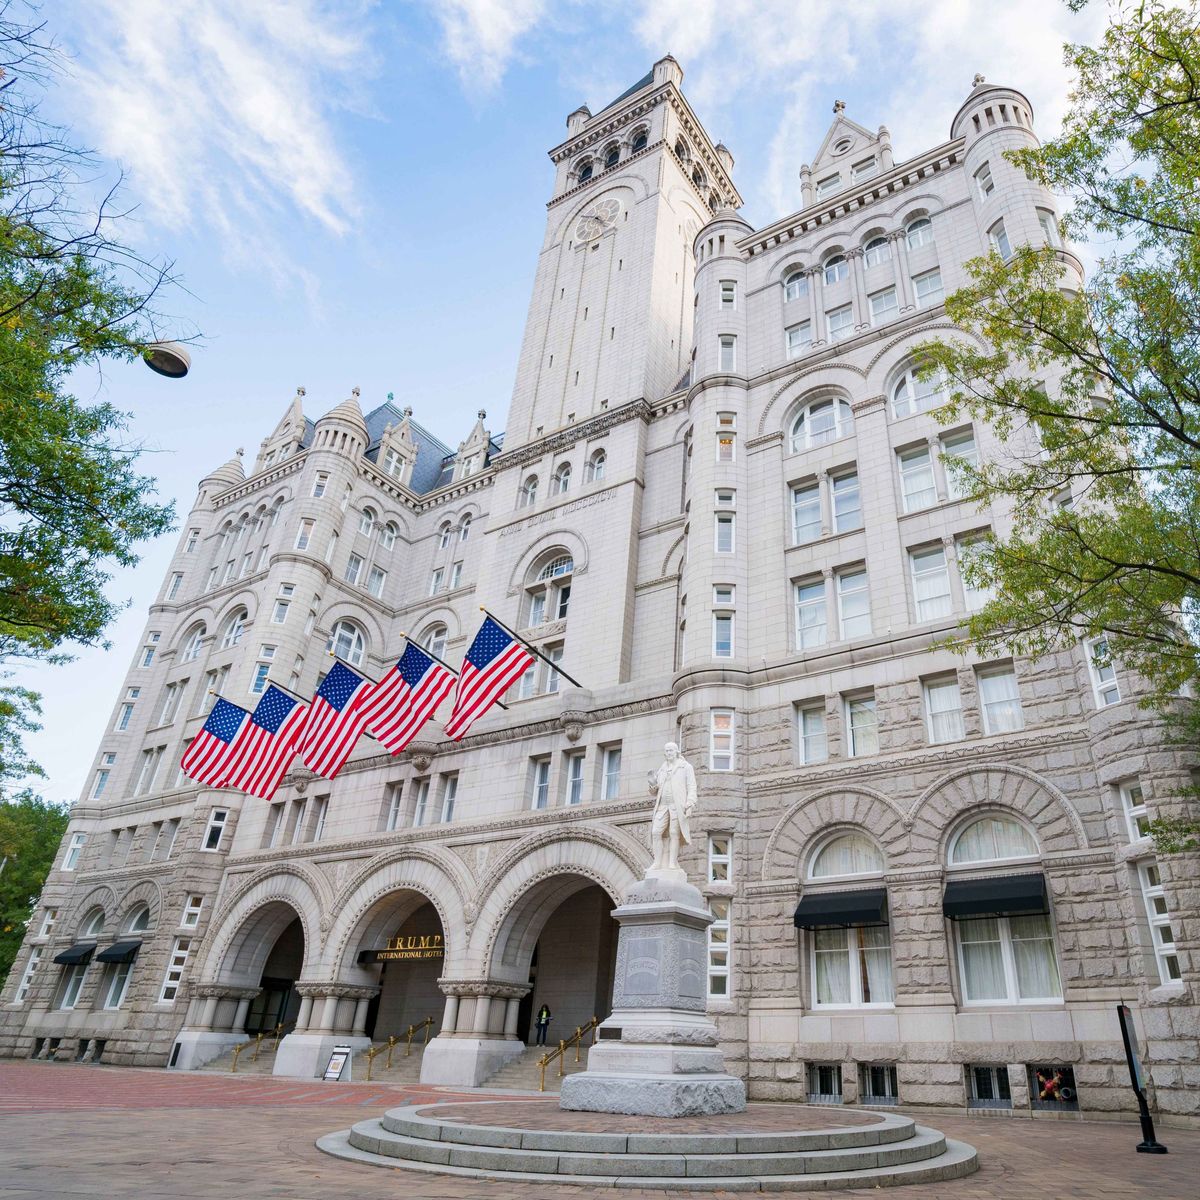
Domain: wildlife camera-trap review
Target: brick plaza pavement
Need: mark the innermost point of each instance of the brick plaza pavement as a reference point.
(72, 1131)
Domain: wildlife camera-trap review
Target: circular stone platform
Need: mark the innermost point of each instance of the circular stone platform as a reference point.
(769, 1147)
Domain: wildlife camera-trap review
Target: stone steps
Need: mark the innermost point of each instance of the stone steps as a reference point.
(404, 1069)
(521, 1074)
(893, 1151)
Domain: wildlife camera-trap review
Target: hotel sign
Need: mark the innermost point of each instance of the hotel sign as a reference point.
(415, 945)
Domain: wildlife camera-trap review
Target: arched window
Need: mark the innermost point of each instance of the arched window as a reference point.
(529, 492)
(240, 531)
(444, 531)
(912, 394)
(836, 268)
(387, 535)
(464, 530)
(347, 642)
(877, 251)
(139, 920)
(435, 640)
(561, 480)
(234, 628)
(612, 155)
(585, 170)
(992, 839)
(226, 534)
(919, 233)
(276, 509)
(549, 593)
(847, 854)
(194, 644)
(681, 150)
(820, 422)
(94, 926)
(698, 177)
(596, 466)
(795, 285)
(366, 521)
(640, 140)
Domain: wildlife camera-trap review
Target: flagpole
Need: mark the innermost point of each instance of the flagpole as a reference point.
(532, 649)
(430, 653)
(358, 671)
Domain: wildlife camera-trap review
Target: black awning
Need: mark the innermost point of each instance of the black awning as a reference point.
(995, 896)
(120, 952)
(367, 957)
(77, 956)
(862, 907)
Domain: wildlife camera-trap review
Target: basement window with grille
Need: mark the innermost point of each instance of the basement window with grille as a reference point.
(824, 1083)
(1052, 1087)
(987, 1087)
(877, 1083)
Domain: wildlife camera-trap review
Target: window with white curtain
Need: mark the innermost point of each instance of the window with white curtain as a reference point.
(811, 628)
(916, 478)
(884, 305)
(877, 251)
(610, 783)
(840, 322)
(820, 422)
(919, 233)
(914, 394)
(993, 839)
(852, 968)
(862, 726)
(795, 286)
(943, 708)
(799, 338)
(846, 501)
(812, 745)
(931, 583)
(1000, 701)
(806, 513)
(927, 287)
(1008, 960)
(964, 548)
(854, 604)
(959, 447)
(847, 854)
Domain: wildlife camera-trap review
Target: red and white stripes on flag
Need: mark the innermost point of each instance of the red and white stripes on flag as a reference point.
(266, 744)
(406, 697)
(495, 660)
(335, 720)
(206, 758)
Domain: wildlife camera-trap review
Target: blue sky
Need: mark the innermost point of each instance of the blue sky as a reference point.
(353, 193)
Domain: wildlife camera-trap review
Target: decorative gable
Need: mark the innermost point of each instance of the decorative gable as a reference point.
(850, 154)
(287, 436)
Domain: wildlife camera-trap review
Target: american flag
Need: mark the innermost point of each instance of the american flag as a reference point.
(494, 660)
(266, 745)
(205, 760)
(406, 697)
(334, 721)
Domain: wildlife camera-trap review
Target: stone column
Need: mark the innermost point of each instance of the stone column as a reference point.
(903, 280)
(483, 1012)
(305, 1013)
(863, 316)
(239, 1017)
(816, 310)
(511, 1013)
(360, 1016)
(450, 1016)
(328, 1019)
(209, 1016)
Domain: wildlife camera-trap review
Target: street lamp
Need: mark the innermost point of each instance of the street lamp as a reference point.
(167, 358)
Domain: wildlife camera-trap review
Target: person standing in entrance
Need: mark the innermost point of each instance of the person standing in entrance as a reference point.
(543, 1024)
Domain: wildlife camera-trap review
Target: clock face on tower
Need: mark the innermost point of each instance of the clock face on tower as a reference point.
(597, 220)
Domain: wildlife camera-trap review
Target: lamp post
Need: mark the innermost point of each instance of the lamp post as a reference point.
(167, 358)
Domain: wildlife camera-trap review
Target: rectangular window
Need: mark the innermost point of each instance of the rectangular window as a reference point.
(851, 968)
(960, 448)
(1008, 960)
(393, 806)
(799, 338)
(810, 615)
(806, 513)
(722, 635)
(720, 858)
(725, 498)
(727, 353)
(212, 579)
(215, 830)
(449, 794)
(191, 911)
(527, 684)
(718, 948)
(862, 726)
(883, 306)
(928, 288)
(721, 739)
(170, 833)
(1137, 816)
(877, 1083)
(551, 677)
(377, 578)
(354, 566)
(984, 182)
(31, 966)
(931, 583)
(988, 1087)
(176, 584)
(193, 540)
(118, 984)
(420, 800)
(867, 169)
(72, 985)
(854, 604)
(728, 293)
(724, 533)
(435, 581)
(74, 849)
(824, 1083)
(611, 778)
(943, 708)
(723, 593)
(124, 717)
(575, 778)
(811, 743)
(726, 447)
(916, 479)
(320, 484)
(1162, 933)
(49, 920)
(966, 547)
(455, 574)
(304, 534)
(171, 698)
(1000, 701)
(149, 769)
(175, 966)
(540, 783)
(100, 784)
(322, 806)
(1102, 671)
(828, 185)
(840, 322)
(847, 503)
(998, 236)
(1049, 227)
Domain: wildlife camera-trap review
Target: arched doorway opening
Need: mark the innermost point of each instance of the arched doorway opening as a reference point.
(278, 1003)
(560, 936)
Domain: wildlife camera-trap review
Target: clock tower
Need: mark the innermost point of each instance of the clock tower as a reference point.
(610, 319)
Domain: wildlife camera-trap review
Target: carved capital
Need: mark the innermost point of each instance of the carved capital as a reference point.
(421, 754)
(572, 724)
(484, 987)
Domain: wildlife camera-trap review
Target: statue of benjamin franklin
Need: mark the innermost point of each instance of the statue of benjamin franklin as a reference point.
(673, 787)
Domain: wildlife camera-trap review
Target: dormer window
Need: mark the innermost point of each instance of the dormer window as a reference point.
(393, 464)
(864, 169)
(828, 185)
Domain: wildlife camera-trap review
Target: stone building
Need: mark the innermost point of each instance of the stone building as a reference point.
(722, 503)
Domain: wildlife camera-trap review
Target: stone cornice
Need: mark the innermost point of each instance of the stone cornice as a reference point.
(905, 175)
(637, 106)
(562, 439)
(263, 479)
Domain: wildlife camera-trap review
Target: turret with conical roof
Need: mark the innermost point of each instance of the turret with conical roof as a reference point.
(343, 428)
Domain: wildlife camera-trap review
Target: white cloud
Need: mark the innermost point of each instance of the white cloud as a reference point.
(480, 36)
(221, 112)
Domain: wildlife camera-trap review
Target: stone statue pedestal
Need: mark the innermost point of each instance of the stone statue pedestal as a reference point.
(657, 1055)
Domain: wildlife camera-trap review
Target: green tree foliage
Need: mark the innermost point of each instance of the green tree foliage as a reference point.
(30, 831)
(72, 503)
(1106, 534)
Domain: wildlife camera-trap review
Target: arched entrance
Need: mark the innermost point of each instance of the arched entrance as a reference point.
(277, 1003)
(410, 963)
